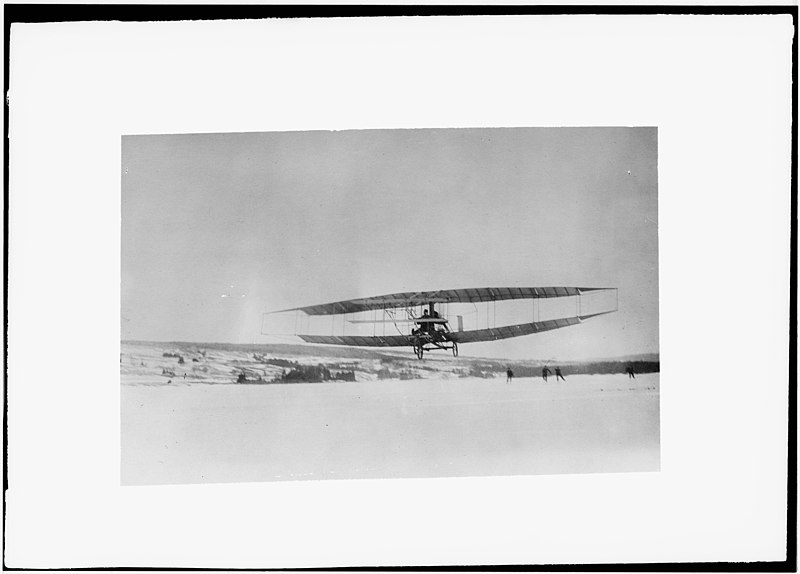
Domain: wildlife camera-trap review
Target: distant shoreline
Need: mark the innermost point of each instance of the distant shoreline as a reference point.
(375, 352)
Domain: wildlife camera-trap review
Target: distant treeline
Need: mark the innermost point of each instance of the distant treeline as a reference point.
(403, 375)
(314, 374)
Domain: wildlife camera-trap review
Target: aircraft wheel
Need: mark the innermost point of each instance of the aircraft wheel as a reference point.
(455, 349)
(418, 350)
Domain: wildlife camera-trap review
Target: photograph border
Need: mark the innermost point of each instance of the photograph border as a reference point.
(29, 13)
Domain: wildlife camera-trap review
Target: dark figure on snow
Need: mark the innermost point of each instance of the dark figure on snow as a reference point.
(545, 373)
(509, 375)
(630, 371)
(559, 375)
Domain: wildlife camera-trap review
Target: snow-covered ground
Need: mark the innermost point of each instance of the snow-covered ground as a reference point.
(193, 430)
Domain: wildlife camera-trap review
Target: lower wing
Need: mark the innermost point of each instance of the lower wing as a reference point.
(475, 336)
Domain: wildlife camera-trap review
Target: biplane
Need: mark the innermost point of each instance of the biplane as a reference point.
(422, 320)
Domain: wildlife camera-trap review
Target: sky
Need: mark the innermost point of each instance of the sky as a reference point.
(219, 228)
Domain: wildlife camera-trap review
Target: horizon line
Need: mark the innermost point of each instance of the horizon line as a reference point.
(375, 349)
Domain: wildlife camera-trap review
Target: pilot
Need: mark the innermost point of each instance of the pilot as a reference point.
(425, 327)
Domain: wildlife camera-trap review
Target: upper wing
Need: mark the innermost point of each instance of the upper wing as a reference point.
(477, 295)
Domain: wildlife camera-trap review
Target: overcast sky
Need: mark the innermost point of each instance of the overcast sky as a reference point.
(219, 228)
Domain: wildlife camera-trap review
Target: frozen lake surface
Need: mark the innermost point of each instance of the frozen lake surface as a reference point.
(190, 432)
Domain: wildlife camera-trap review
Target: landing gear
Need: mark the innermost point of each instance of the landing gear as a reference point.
(455, 349)
(418, 350)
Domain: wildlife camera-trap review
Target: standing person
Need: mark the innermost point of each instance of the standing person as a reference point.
(509, 375)
(545, 372)
(629, 370)
(559, 375)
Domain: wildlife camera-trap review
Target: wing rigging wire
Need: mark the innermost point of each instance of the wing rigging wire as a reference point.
(392, 316)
